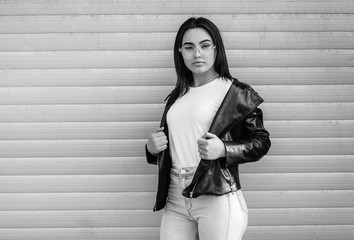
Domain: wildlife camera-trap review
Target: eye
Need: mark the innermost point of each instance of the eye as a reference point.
(189, 48)
(206, 46)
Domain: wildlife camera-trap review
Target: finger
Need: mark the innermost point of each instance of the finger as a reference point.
(203, 151)
(162, 142)
(203, 155)
(160, 129)
(164, 147)
(202, 141)
(208, 135)
(159, 136)
(202, 146)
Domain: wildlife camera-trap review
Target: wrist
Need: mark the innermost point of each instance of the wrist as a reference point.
(223, 151)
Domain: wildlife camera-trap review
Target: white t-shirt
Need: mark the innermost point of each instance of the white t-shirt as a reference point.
(190, 117)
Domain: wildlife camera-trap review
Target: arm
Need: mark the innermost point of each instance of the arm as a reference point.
(253, 144)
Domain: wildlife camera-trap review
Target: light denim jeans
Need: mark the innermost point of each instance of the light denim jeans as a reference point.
(207, 217)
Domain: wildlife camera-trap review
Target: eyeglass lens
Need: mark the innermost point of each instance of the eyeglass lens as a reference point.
(189, 51)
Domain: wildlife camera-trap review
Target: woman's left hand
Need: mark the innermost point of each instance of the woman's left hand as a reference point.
(210, 147)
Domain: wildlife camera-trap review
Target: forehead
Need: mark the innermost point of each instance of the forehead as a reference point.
(196, 35)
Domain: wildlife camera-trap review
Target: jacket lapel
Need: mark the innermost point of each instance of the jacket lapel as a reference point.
(239, 101)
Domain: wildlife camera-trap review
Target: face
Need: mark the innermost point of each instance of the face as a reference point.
(201, 58)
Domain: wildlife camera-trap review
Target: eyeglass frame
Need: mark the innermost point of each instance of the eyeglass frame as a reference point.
(195, 48)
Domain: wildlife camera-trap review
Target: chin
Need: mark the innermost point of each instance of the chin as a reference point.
(198, 69)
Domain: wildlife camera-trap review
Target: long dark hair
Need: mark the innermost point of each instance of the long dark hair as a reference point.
(184, 75)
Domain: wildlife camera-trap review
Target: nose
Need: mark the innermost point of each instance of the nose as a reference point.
(197, 52)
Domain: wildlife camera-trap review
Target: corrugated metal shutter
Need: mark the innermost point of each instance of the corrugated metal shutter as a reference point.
(83, 82)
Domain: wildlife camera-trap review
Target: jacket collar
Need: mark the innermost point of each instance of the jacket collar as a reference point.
(239, 101)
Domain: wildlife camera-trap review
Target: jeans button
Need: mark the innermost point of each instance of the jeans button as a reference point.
(183, 171)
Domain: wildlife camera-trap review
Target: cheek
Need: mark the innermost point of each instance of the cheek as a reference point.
(188, 63)
(210, 61)
(214, 58)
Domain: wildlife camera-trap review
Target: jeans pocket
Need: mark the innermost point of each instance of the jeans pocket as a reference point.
(242, 201)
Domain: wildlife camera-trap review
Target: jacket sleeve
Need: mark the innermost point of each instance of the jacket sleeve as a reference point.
(251, 144)
(151, 159)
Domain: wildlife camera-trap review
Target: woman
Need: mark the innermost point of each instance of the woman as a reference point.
(210, 125)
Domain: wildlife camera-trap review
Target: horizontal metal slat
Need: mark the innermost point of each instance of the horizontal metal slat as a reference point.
(135, 148)
(317, 128)
(305, 232)
(164, 59)
(145, 200)
(299, 199)
(153, 112)
(312, 146)
(167, 76)
(83, 233)
(141, 130)
(307, 111)
(56, 131)
(138, 165)
(144, 183)
(171, 23)
(73, 148)
(301, 164)
(323, 232)
(143, 218)
(164, 41)
(76, 166)
(43, 7)
(153, 95)
(297, 181)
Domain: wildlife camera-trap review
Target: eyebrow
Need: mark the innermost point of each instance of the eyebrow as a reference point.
(190, 43)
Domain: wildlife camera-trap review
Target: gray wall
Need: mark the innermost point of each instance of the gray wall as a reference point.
(82, 84)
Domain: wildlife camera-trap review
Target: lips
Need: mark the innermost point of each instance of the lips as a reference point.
(198, 63)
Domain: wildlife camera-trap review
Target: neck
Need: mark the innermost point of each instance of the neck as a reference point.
(200, 80)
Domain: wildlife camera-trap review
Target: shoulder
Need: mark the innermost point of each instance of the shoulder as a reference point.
(241, 85)
(244, 93)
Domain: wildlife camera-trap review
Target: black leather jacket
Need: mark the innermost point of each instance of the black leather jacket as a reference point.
(239, 124)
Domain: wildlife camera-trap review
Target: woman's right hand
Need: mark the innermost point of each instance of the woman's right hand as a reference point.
(157, 141)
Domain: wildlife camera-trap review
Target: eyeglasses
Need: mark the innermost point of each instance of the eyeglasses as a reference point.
(188, 51)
